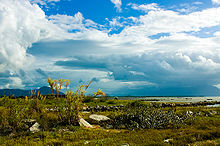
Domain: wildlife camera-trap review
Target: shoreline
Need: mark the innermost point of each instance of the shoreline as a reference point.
(173, 99)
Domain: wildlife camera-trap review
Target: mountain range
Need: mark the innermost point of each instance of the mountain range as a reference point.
(19, 92)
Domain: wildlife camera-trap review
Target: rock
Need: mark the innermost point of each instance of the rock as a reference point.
(212, 113)
(189, 113)
(125, 144)
(86, 142)
(168, 140)
(199, 113)
(109, 126)
(84, 123)
(12, 134)
(64, 130)
(98, 117)
(116, 98)
(35, 127)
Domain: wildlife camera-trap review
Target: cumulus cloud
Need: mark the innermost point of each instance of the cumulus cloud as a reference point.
(177, 62)
(198, 3)
(70, 23)
(117, 4)
(166, 21)
(128, 62)
(130, 57)
(216, 1)
(43, 2)
(145, 8)
(22, 24)
(188, 8)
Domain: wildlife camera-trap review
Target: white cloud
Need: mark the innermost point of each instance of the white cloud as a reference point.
(188, 8)
(74, 47)
(13, 83)
(145, 8)
(178, 59)
(19, 30)
(216, 1)
(117, 4)
(218, 86)
(43, 2)
(70, 23)
(166, 21)
(115, 23)
(198, 3)
(22, 24)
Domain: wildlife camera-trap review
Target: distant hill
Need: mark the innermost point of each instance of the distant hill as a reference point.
(19, 92)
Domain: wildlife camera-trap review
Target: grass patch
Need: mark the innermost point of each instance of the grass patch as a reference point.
(204, 130)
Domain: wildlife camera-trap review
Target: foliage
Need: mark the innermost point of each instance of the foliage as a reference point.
(70, 112)
(82, 136)
(11, 119)
(99, 93)
(138, 116)
(51, 83)
(148, 123)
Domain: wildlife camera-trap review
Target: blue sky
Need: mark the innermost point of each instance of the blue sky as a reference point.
(128, 47)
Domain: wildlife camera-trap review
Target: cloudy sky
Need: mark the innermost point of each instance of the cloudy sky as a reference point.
(128, 47)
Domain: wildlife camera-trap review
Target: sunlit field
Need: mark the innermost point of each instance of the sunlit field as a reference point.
(130, 122)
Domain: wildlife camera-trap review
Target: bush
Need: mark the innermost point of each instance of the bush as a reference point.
(139, 116)
(48, 120)
(103, 99)
(88, 99)
(11, 120)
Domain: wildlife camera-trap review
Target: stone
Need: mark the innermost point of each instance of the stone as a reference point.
(35, 128)
(86, 142)
(98, 117)
(168, 140)
(189, 113)
(199, 113)
(84, 123)
(109, 126)
(64, 130)
(125, 144)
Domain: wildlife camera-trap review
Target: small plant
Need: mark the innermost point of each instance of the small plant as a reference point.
(51, 83)
(67, 84)
(68, 113)
(33, 92)
(57, 85)
(74, 103)
(60, 85)
(11, 119)
(99, 93)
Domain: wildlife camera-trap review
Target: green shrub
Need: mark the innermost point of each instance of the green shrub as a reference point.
(11, 120)
(88, 99)
(48, 120)
(138, 116)
(103, 99)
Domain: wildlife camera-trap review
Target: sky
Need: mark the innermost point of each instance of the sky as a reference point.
(127, 47)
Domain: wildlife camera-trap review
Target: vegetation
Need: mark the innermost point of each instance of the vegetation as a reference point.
(139, 116)
(137, 123)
